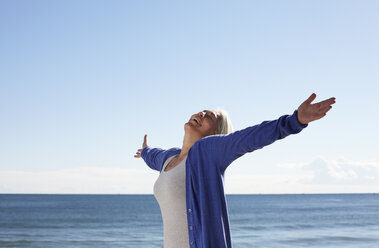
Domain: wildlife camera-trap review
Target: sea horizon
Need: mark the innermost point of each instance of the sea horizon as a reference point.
(225, 194)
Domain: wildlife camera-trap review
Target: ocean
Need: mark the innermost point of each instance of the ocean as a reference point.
(298, 220)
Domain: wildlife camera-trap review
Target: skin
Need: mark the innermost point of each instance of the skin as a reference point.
(306, 113)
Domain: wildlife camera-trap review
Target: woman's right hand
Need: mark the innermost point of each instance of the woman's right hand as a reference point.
(144, 144)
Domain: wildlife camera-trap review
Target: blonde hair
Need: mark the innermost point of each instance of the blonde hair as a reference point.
(224, 123)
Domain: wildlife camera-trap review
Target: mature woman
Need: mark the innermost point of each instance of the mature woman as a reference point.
(190, 187)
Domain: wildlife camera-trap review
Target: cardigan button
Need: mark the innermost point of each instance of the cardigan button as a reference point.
(190, 227)
(191, 242)
(189, 210)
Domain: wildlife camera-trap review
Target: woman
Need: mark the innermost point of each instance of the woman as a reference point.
(190, 187)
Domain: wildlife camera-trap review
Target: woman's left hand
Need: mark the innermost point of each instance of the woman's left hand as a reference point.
(139, 151)
(308, 112)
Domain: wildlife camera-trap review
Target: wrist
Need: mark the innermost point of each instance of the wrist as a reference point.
(300, 120)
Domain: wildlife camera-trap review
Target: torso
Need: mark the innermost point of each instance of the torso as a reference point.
(173, 163)
(170, 192)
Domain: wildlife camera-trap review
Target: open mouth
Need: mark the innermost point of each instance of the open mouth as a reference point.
(197, 121)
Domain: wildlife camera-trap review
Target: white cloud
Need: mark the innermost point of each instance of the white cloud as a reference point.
(319, 175)
(338, 171)
(80, 180)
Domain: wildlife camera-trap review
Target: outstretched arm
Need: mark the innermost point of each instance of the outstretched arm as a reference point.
(226, 148)
(154, 157)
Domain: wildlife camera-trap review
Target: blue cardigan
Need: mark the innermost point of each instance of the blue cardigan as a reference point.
(207, 160)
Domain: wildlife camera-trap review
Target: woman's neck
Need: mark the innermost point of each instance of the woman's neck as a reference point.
(188, 142)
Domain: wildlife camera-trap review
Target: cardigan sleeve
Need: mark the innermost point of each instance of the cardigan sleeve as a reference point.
(227, 148)
(155, 157)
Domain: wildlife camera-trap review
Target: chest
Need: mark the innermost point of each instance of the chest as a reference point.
(174, 162)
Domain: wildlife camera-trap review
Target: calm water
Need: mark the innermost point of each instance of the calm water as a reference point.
(341, 220)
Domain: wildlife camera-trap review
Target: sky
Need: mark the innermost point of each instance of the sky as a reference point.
(81, 82)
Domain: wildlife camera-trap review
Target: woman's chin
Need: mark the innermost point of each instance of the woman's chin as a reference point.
(189, 126)
(190, 123)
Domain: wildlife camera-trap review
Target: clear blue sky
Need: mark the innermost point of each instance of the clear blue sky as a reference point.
(83, 81)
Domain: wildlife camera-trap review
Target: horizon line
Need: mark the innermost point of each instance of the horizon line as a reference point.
(363, 193)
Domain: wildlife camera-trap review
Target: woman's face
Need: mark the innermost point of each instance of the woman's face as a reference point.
(203, 123)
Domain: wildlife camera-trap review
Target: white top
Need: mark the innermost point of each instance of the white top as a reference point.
(170, 192)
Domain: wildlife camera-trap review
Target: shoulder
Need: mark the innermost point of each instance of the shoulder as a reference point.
(211, 138)
(209, 143)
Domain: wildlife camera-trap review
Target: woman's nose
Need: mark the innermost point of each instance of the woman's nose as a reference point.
(201, 114)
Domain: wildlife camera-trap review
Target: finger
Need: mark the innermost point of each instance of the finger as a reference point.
(311, 98)
(327, 102)
(145, 140)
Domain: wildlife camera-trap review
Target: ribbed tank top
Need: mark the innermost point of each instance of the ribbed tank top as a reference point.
(170, 192)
